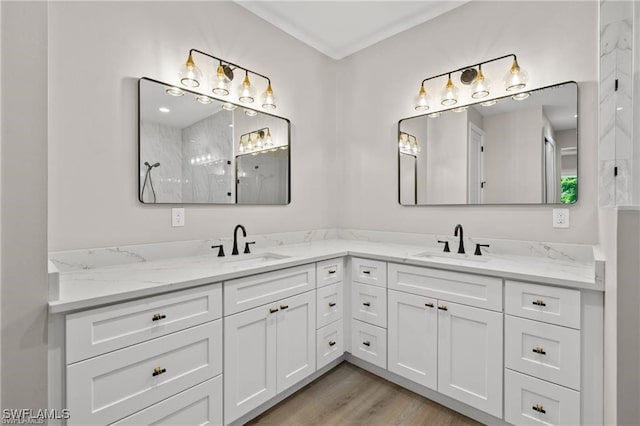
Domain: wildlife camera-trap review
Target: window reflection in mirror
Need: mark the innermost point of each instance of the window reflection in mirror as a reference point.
(513, 152)
(195, 149)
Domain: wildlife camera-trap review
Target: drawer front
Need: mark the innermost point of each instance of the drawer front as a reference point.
(329, 344)
(546, 351)
(329, 304)
(369, 343)
(369, 304)
(467, 289)
(531, 401)
(104, 389)
(200, 405)
(102, 330)
(329, 272)
(368, 271)
(246, 293)
(554, 305)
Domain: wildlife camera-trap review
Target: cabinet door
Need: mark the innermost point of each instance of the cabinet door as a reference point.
(249, 360)
(296, 337)
(470, 356)
(413, 338)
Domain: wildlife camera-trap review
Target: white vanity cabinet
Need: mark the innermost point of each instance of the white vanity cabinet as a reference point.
(270, 347)
(123, 359)
(369, 311)
(450, 347)
(543, 356)
(330, 311)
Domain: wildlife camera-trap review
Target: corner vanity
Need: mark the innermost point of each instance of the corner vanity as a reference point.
(503, 339)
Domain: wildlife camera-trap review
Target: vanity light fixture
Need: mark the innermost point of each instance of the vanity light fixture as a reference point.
(257, 141)
(515, 79)
(408, 144)
(191, 76)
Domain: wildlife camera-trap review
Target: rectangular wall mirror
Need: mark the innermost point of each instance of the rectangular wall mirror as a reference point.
(194, 149)
(509, 152)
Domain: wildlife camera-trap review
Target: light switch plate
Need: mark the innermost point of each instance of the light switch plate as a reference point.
(177, 217)
(560, 218)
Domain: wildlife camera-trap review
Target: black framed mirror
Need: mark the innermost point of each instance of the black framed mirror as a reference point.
(511, 150)
(194, 149)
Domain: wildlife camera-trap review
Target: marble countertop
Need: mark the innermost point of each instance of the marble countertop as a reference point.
(87, 288)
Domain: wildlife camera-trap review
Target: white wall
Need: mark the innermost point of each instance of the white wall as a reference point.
(98, 50)
(554, 41)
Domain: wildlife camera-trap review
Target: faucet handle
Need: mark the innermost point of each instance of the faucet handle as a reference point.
(220, 250)
(446, 246)
(246, 246)
(478, 252)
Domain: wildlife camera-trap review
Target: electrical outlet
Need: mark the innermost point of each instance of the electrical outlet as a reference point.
(177, 217)
(560, 218)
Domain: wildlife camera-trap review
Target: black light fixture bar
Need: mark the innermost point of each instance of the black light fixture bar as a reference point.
(223, 61)
(511, 55)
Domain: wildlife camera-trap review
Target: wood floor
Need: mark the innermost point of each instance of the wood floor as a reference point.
(348, 395)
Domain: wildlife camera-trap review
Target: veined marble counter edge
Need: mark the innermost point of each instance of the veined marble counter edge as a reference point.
(101, 281)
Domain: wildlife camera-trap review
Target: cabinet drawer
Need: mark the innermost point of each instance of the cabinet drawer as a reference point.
(369, 304)
(329, 272)
(246, 293)
(467, 289)
(329, 301)
(369, 343)
(554, 305)
(330, 343)
(103, 389)
(546, 351)
(531, 401)
(368, 271)
(200, 405)
(102, 330)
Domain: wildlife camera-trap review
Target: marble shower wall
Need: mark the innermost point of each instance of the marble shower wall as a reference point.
(207, 160)
(163, 144)
(616, 145)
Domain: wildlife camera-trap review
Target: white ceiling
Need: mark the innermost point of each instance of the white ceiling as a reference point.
(340, 28)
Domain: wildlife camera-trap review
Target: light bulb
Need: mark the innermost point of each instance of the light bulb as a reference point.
(204, 99)
(220, 82)
(190, 74)
(174, 91)
(449, 94)
(401, 141)
(241, 146)
(259, 141)
(249, 143)
(480, 86)
(268, 100)
(246, 90)
(268, 141)
(520, 96)
(516, 78)
(422, 100)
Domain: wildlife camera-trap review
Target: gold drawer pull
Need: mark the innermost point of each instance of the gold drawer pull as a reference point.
(332, 304)
(273, 310)
(283, 307)
(158, 317)
(443, 308)
(429, 305)
(366, 343)
(539, 303)
(332, 343)
(539, 350)
(158, 371)
(539, 408)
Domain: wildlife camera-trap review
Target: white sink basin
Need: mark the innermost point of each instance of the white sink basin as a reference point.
(453, 256)
(252, 259)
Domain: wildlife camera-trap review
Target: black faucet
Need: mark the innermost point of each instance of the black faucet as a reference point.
(235, 238)
(455, 234)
